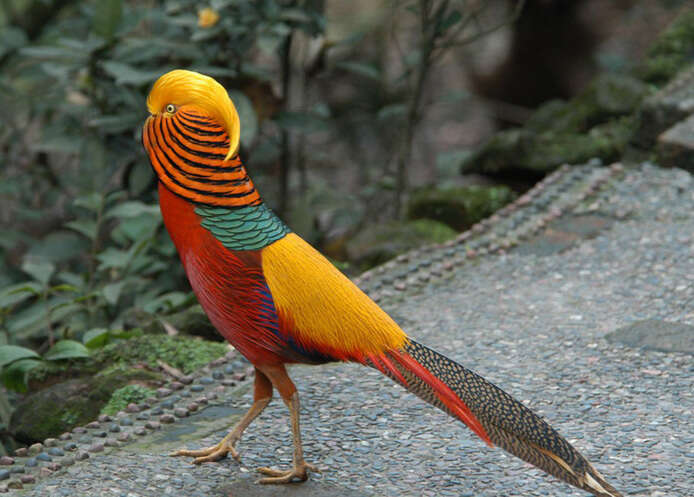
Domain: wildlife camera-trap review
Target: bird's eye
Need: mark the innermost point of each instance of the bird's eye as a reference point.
(171, 108)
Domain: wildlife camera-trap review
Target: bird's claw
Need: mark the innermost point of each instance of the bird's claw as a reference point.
(211, 454)
(298, 472)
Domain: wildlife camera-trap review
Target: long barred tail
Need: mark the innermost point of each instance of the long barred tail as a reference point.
(491, 413)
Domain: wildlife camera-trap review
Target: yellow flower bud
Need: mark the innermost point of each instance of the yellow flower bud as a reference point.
(207, 18)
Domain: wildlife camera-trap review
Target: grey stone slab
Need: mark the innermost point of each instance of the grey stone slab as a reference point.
(656, 335)
(247, 487)
(676, 145)
(668, 106)
(564, 233)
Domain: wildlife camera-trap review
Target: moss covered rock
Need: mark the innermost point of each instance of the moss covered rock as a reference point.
(608, 96)
(673, 50)
(125, 395)
(459, 208)
(55, 410)
(184, 353)
(70, 394)
(523, 150)
(596, 124)
(379, 243)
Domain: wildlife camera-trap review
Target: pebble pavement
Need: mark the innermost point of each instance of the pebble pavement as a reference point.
(525, 299)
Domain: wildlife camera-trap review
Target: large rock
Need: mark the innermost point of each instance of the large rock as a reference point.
(523, 150)
(458, 208)
(598, 123)
(670, 105)
(653, 334)
(184, 353)
(676, 146)
(55, 410)
(73, 393)
(608, 96)
(673, 50)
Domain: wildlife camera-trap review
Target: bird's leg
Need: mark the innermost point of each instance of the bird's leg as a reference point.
(261, 398)
(284, 385)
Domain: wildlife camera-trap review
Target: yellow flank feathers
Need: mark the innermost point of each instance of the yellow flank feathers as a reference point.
(181, 87)
(326, 309)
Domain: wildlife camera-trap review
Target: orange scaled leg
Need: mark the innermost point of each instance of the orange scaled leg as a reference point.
(284, 385)
(261, 398)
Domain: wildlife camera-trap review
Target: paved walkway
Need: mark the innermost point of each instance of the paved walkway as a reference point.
(549, 299)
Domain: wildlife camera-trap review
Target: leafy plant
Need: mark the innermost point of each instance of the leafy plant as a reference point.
(124, 268)
(16, 362)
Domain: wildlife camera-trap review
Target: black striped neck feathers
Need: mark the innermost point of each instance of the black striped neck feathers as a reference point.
(187, 149)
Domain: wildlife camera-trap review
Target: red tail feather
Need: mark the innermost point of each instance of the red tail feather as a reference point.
(444, 393)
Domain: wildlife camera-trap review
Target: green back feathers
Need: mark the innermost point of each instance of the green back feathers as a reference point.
(244, 228)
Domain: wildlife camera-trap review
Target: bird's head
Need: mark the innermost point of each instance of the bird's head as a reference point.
(180, 88)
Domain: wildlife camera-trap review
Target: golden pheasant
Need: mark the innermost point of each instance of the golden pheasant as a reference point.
(278, 301)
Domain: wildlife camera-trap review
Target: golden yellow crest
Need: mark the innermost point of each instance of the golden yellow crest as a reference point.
(180, 87)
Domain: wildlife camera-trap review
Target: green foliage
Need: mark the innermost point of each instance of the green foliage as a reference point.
(16, 362)
(75, 293)
(124, 396)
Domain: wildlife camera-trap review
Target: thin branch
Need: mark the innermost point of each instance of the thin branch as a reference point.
(509, 20)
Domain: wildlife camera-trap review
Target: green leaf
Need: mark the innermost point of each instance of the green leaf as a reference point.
(95, 338)
(137, 228)
(247, 116)
(99, 337)
(92, 201)
(58, 246)
(58, 143)
(125, 74)
(39, 269)
(392, 111)
(48, 52)
(452, 19)
(111, 292)
(140, 178)
(86, 227)
(66, 349)
(11, 38)
(14, 376)
(361, 69)
(63, 288)
(107, 16)
(295, 15)
(165, 302)
(30, 321)
(73, 279)
(133, 208)
(15, 294)
(115, 124)
(11, 353)
(216, 71)
(269, 43)
(113, 258)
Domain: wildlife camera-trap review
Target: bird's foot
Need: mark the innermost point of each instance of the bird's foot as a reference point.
(215, 452)
(298, 472)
